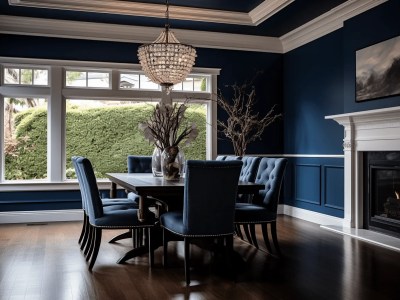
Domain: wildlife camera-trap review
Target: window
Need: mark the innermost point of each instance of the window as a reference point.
(26, 76)
(89, 79)
(193, 83)
(107, 132)
(25, 138)
(80, 111)
(136, 81)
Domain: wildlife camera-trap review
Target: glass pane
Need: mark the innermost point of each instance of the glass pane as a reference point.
(197, 114)
(200, 84)
(26, 76)
(188, 84)
(25, 138)
(75, 78)
(177, 87)
(129, 81)
(41, 77)
(11, 76)
(99, 79)
(106, 132)
(146, 84)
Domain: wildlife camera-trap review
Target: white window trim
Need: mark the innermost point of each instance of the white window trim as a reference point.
(56, 94)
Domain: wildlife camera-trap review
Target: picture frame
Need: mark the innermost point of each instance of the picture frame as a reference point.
(378, 70)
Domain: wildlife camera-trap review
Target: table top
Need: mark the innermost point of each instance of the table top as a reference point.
(147, 184)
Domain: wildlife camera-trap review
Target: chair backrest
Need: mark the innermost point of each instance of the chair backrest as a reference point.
(270, 174)
(139, 164)
(232, 157)
(220, 157)
(94, 204)
(210, 196)
(249, 169)
(80, 181)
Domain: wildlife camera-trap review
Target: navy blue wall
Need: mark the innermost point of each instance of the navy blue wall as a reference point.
(319, 80)
(236, 67)
(367, 29)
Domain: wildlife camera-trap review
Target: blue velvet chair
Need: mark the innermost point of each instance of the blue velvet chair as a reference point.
(110, 217)
(220, 157)
(248, 174)
(264, 208)
(208, 206)
(86, 232)
(232, 157)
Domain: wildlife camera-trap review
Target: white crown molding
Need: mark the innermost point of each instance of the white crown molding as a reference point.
(134, 34)
(267, 9)
(253, 18)
(326, 23)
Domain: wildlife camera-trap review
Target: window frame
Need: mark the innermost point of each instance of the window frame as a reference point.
(20, 67)
(56, 93)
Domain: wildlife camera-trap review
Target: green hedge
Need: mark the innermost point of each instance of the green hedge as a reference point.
(105, 135)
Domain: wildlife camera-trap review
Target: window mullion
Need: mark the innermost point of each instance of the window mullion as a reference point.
(55, 128)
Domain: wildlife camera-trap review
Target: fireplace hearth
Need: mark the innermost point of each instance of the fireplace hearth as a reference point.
(382, 191)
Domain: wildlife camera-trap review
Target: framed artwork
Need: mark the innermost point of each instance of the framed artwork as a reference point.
(378, 70)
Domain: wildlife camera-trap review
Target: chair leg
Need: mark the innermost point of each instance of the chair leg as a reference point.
(264, 227)
(87, 233)
(275, 238)
(122, 236)
(238, 231)
(187, 260)
(253, 234)
(229, 256)
(165, 248)
(247, 232)
(92, 242)
(89, 241)
(83, 229)
(97, 242)
(151, 250)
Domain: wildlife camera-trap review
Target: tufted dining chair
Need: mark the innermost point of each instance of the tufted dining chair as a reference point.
(85, 238)
(247, 174)
(208, 207)
(110, 217)
(264, 208)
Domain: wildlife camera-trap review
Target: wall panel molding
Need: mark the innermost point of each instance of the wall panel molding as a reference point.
(304, 185)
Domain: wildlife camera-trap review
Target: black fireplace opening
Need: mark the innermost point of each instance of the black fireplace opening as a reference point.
(382, 210)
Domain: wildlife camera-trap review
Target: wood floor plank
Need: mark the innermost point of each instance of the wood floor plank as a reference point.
(45, 262)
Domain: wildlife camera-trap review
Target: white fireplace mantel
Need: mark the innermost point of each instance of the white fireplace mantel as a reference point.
(372, 130)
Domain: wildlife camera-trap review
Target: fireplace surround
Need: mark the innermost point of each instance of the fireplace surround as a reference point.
(372, 130)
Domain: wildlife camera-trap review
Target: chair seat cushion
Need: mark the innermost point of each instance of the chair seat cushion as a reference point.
(118, 201)
(119, 216)
(173, 221)
(252, 213)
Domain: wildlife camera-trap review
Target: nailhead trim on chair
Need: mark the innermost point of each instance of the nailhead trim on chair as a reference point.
(198, 235)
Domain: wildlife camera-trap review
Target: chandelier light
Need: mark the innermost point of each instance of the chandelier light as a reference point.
(166, 61)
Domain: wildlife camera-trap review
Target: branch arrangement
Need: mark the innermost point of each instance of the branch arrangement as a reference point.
(243, 124)
(168, 126)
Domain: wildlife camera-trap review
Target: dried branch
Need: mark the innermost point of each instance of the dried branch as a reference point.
(168, 126)
(243, 125)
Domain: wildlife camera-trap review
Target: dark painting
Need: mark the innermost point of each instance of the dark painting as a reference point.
(378, 70)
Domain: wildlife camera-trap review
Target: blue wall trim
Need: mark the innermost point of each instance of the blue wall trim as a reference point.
(306, 175)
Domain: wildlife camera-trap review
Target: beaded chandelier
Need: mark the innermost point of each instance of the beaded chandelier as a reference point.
(166, 61)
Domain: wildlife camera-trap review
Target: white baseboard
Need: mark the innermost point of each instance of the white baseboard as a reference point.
(40, 216)
(308, 215)
(10, 217)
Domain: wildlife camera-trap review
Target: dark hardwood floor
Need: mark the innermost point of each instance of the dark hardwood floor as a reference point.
(43, 261)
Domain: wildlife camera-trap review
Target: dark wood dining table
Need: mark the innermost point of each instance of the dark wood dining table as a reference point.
(147, 186)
